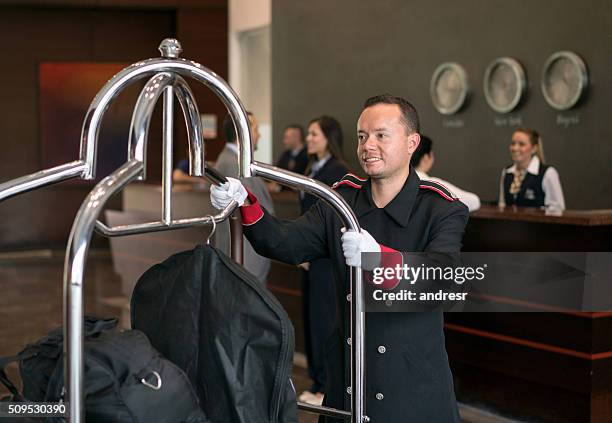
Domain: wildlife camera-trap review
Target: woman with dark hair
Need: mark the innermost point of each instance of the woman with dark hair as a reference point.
(324, 144)
(325, 163)
(423, 160)
(528, 182)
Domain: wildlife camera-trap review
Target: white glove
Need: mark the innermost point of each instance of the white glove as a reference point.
(354, 243)
(232, 190)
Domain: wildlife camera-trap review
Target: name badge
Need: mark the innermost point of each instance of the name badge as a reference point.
(529, 194)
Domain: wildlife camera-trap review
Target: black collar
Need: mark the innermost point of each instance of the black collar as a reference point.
(400, 208)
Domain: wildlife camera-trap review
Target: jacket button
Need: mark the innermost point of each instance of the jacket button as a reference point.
(348, 341)
(348, 297)
(380, 396)
(382, 349)
(348, 390)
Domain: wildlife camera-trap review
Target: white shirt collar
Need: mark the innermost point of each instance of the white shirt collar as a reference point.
(533, 167)
(316, 166)
(421, 175)
(297, 150)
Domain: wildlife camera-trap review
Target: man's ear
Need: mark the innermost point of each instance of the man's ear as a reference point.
(414, 140)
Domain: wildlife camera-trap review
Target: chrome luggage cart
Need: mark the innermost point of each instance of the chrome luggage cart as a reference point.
(166, 80)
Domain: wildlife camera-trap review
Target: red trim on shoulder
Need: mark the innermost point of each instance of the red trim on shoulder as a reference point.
(252, 213)
(355, 176)
(346, 182)
(437, 183)
(442, 193)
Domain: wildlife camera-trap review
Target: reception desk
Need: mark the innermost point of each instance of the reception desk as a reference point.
(515, 229)
(549, 367)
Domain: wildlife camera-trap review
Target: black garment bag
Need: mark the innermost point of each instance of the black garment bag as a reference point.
(232, 337)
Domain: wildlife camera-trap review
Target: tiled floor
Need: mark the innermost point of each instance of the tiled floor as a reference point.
(31, 302)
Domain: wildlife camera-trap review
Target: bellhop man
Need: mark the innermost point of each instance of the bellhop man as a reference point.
(407, 373)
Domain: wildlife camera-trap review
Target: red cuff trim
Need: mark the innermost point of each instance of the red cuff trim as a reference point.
(390, 258)
(252, 213)
(385, 249)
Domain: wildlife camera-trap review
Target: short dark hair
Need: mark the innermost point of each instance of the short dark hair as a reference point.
(297, 126)
(423, 149)
(229, 130)
(410, 117)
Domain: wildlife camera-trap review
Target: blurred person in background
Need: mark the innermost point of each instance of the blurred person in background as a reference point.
(529, 182)
(325, 164)
(295, 157)
(227, 165)
(423, 160)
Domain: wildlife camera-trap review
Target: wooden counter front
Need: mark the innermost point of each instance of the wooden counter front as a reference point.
(516, 229)
(567, 217)
(545, 367)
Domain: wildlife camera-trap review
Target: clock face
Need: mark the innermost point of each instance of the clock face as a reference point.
(449, 88)
(504, 84)
(564, 80)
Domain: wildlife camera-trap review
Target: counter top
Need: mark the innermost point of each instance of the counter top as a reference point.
(568, 217)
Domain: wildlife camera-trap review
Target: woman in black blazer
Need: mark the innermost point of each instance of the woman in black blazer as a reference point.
(324, 146)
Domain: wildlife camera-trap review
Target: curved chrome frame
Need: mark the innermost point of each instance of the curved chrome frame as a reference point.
(42, 178)
(133, 169)
(465, 87)
(167, 84)
(584, 78)
(150, 67)
(521, 80)
(141, 119)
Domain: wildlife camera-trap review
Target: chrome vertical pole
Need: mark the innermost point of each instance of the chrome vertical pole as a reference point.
(170, 49)
(168, 126)
(74, 274)
(357, 346)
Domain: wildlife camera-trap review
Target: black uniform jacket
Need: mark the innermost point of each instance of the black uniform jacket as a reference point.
(408, 378)
(295, 164)
(330, 173)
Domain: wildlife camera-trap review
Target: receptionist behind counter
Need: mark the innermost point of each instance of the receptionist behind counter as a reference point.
(529, 182)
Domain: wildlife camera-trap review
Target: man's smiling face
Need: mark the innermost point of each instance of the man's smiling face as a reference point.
(385, 146)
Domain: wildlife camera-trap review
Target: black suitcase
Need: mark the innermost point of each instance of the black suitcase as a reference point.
(125, 381)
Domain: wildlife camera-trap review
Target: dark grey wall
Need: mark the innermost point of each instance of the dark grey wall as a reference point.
(328, 56)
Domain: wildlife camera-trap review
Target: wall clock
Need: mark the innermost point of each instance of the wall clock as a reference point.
(504, 84)
(449, 88)
(564, 80)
